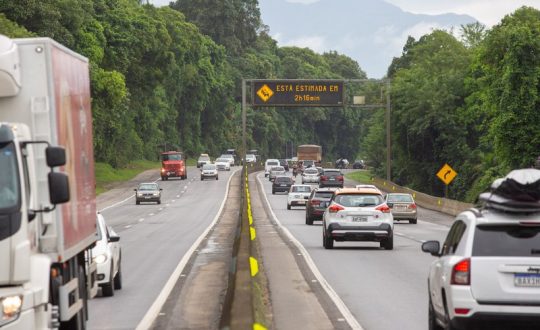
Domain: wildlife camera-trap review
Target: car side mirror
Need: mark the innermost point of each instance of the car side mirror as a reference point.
(432, 247)
(114, 238)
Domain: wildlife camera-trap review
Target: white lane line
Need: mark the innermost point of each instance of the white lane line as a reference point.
(127, 227)
(412, 238)
(351, 320)
(120, 202)
(151, 214)
(141, 219)
(154, 310)
(177, 196)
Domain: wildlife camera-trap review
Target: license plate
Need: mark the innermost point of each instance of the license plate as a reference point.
(332, 179)
(147, 197)
(527, 280)
(359, 219)
(399, 207)
(283, 185)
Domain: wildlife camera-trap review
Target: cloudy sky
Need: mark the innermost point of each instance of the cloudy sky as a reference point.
(489, 12)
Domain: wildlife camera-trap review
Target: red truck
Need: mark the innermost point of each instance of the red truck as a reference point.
(173, 164)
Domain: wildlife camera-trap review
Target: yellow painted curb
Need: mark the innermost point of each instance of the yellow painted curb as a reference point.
(250, 217)
(254, 266)
(258, 326)
(252, 233)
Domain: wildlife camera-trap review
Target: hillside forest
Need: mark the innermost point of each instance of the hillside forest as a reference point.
(170, 77)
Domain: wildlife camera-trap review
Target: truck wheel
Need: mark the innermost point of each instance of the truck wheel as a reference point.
(163, 178)
(118, 277)
(185, 177)
(108, 289)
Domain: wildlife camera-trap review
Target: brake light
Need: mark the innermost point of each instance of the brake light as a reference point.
(383, 208)
(315, 202)
(461, 273)
(340, 178)
(412, 206)
(334, 208)
(324, 177)
(461, 311)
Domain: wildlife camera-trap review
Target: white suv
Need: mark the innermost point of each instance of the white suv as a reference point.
(487, 273)
(358, 215)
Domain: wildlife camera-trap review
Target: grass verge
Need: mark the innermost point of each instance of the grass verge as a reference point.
(107, 175)
(362, 176)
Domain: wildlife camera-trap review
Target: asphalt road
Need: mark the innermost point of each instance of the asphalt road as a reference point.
(383, 289)
(154, 238)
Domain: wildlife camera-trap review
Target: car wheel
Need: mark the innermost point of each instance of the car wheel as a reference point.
(388, 244)
(202, 178)
(328, 242)
(413, 221)
(288, 206)
(273, 192)
(118, 277)
(432, 319)
(163, 178)
(159, 201)
(216, 177)
(108, 289)
(137, 202)
(309, 221)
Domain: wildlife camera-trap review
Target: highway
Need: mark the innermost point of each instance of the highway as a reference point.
(154, 239)
(382, 289)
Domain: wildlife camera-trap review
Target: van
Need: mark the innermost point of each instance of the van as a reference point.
(269, 164)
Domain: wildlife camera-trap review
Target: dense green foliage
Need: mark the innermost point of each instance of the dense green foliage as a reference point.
(170, 77)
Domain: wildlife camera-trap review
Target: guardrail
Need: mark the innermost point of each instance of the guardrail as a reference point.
(441, 204)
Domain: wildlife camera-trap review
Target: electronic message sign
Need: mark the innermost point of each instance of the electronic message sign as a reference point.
(298, 93)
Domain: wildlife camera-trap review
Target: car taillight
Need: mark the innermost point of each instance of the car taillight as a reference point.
(412, 206)
(324, 177)
(335, 208)
(340, 178)
(461, 311)
(461, 273)
(383, 208)
(315, 202)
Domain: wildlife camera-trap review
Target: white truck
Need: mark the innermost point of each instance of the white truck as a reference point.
(47, 186)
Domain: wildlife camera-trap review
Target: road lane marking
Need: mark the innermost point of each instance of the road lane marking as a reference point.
(154, 310)
(351, 320)
(127, 227)
(141, 219)
(410, 237)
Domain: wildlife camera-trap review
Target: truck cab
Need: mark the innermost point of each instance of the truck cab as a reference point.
(173, 164)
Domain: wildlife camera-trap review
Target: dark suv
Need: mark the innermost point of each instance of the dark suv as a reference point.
(317, 203)
(282, 184)
(331, 178)
(285, 164)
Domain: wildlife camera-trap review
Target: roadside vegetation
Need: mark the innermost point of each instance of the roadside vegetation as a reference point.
(171, 76)
(107, 176)
(361, 176)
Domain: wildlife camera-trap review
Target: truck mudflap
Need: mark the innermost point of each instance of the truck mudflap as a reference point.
(67, 310)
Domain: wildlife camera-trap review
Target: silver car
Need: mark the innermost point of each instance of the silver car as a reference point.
(403, 206)
(275, 171)
(148, 192)
(209, 171)
(310, 175)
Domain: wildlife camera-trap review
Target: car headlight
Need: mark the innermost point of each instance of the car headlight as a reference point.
(100, 258)
(139, 194)
(11, 308)
(156, 194)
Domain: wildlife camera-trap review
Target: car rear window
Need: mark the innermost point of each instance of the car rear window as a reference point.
(332, 173)
(400, 199)
(506, 241)
(278, 168)
(358, 200)
(283, 179)
(301, 189)
(272, 163)
(323, 195)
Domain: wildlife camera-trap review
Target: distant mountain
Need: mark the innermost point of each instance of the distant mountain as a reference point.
(370, 31)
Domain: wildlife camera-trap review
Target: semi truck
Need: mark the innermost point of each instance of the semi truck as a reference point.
(309, 152)
(47, 186)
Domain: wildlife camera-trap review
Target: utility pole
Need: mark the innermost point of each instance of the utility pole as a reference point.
(388, 132)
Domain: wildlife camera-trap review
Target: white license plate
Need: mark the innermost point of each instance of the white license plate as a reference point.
(400, 207)
(359, 219)
(527, 280)
(332, 179)
(147, 197)
(283, 185)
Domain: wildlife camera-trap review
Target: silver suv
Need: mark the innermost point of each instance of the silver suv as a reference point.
(487, 273)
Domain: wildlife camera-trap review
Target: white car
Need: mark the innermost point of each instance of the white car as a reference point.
(310, 175)
(269, 164)
(298, 195)
(275, 171)
(223, 164)
(229, 157)
(251, 159)
(487, 273)
(358, 215)
(209, 171)
(108, 256)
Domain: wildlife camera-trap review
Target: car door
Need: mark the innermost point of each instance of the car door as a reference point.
(114, 248)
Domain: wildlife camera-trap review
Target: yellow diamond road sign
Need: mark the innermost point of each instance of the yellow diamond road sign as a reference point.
(265, 93)
(446, 174)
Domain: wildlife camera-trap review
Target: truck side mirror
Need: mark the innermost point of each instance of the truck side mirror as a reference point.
(56, 156)
(58, 188)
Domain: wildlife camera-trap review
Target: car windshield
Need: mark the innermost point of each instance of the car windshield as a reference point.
(512, 241)
(209, 167)
(177, 156)
(9, 177)
(301, 189)
(148, 186)
(400, 198)
(358, 200)
(201, 158)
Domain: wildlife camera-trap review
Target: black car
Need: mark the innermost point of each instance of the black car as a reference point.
(331, 178)
(317, 203)
(285, 164)
(359, 164)
(282, 184)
